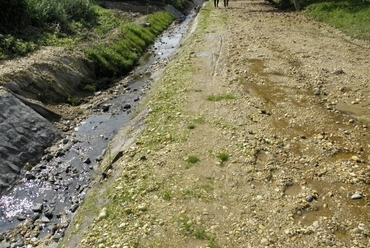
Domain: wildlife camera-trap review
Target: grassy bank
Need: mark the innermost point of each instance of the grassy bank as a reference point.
(351, 17)
(118, 54)
(112, 39)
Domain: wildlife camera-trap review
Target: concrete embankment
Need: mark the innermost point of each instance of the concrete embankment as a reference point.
(27, 129)
(24, 136)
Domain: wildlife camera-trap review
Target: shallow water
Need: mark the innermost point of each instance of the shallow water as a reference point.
(60, 185)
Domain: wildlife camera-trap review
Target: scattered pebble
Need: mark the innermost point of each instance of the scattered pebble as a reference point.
(309, 198)
(356, 195)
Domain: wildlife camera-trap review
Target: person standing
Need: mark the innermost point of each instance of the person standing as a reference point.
(216, 3)
(226, 3)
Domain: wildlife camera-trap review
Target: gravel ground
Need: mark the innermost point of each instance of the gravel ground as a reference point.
(255, 135)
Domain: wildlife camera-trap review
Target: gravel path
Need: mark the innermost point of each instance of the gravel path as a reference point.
(256, 135)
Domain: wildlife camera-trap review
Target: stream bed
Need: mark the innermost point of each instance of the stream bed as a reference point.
(47, 195)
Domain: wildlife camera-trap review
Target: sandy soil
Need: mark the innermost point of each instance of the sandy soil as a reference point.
(275, 108)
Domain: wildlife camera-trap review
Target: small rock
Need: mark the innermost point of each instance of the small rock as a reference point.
(338, 72)
(264, 241)
(29, 176)
(328, 242)
(45, 219)
(103, 214)
(263, 111)
(59, 153)
(316, 91)
(105, 107)
(74, 207)
(127, 106)
(142, 207)
(5, 245)
(309, 198)
(48, 157)
(87, 161)
(19, 243)
(37, 207)
(57, 237)
(143, 158)
(356, 195)
(356, 230)
(49, 212)
(316, 224)
(35, 216)
(21, 217)
(356, 159)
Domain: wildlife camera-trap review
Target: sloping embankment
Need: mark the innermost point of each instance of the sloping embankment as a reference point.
(51, 75)
(24, 136)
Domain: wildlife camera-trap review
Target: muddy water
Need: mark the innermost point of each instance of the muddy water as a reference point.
(288, 106)
(53, 189)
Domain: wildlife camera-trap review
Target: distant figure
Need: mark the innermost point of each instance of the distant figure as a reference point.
(216, 3)
(226, 3)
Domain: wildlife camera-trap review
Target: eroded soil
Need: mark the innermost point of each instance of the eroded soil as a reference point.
(287, 99)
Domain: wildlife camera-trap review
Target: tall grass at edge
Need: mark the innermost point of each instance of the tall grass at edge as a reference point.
(118, 57)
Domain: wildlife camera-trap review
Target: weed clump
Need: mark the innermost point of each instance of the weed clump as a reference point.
(223, 157)
(192, 159)
(216, 98)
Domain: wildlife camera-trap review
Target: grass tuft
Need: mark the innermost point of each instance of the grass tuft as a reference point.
(166, 195)
(223, 156)
(216, 98)
(192, 159)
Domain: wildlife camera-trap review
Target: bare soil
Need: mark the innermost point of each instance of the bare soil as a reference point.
(291, 112)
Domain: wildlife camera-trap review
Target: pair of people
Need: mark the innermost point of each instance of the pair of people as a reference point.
(226, 3)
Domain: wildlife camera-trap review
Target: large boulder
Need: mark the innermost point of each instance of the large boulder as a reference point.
(24, 134)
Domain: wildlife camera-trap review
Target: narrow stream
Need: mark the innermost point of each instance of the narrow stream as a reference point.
(54, 189)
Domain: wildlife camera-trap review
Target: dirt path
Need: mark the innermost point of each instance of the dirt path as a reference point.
(256, 136)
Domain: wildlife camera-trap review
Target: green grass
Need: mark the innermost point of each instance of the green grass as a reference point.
(166, 195)
(90, 88)
(107, 21)
(216, 98)
(113, 52)
(186, 224)
(192, 159)
(200, 233)
(223, 156)
(73, 101)
(119, 56)
(29, 24)
(196, 231)
(187, 192)
(352, 17)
